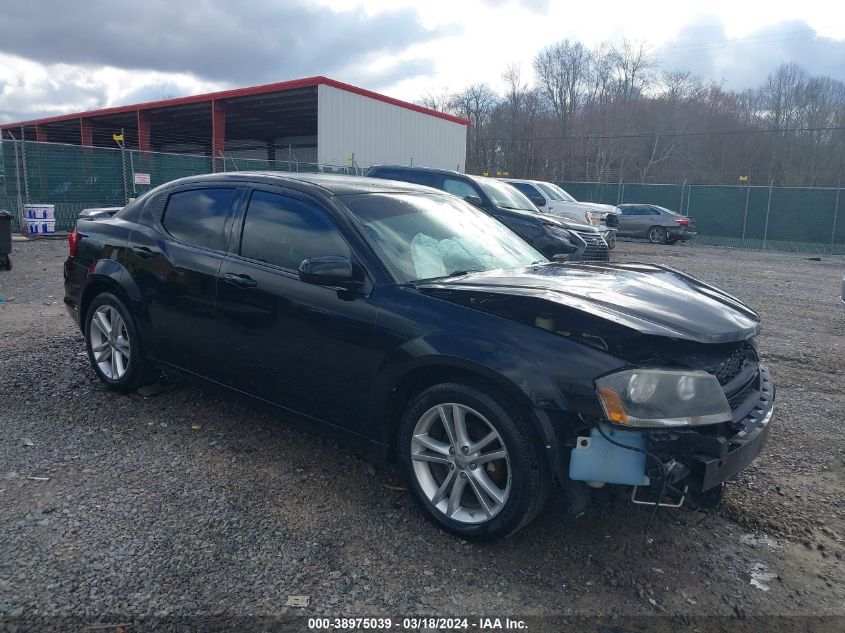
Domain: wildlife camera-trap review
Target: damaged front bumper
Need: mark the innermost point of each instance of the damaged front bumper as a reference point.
(685, 460)
(744, 446)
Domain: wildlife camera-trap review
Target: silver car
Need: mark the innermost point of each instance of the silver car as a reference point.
(551, 199)
(657, 224)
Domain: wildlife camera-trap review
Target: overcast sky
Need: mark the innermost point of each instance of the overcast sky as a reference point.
(59, 56)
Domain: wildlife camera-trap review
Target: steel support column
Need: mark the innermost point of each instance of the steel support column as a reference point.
(218, 134)
(143, 117)
(86, 132)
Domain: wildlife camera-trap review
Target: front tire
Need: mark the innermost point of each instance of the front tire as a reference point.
(657, 235)
(114, 346)
(473, 460)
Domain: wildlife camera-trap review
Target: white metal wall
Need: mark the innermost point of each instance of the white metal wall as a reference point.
(378, 133)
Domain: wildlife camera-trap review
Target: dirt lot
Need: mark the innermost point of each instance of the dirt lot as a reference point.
(194, 502)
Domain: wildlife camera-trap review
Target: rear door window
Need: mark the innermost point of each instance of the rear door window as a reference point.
(200, 216)
(283, 231)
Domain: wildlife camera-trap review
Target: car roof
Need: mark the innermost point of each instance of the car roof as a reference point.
(332, 184)
(433, 170)
(437, 170)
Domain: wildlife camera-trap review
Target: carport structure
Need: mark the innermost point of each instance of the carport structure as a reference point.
(324, 119)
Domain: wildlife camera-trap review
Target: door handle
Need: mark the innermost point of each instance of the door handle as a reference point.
(143, 252)
(241, 281)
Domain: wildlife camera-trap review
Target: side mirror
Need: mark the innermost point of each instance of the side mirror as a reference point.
(475, 200)
(329, 270)
(538, 200)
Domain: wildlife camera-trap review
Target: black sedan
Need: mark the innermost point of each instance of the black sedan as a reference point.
(658, 225)
(413, 322)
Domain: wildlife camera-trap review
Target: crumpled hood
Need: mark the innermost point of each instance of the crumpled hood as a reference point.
(650, 299)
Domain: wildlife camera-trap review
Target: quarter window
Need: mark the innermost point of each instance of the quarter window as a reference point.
(284, 231)
(199, 216)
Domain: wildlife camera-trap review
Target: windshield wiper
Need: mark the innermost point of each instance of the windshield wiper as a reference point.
(454, 273)
(458, 273)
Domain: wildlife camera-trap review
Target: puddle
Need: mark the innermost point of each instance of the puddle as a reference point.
(759, 576)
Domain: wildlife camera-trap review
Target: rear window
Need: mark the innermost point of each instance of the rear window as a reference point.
(387, 173)
(426, 178)
(527, 189)
(199, 216)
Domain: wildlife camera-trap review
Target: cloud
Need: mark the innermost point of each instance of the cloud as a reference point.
(238, 42)
(58, 57)
(538, 6)
(703, 48)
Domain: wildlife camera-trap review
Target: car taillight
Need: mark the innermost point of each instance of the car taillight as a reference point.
(683, 221)
(73, 242)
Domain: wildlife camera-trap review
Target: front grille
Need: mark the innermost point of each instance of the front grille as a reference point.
(611, 220)
(741, 396)
(730, 367)
(596, 250)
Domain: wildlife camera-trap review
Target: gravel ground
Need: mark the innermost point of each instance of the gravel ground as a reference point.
(192, 501)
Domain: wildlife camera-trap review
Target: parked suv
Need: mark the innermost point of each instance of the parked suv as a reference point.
(550, 198)
(657, 224)
(416, 324)
(549, 235)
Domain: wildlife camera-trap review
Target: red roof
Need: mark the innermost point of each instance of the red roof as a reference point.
(242, 92)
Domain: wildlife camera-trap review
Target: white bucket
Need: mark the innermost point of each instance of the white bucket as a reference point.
(39, 212)
(39, 227)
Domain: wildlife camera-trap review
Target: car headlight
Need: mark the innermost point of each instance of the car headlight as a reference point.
(662, 398)
(557, 231)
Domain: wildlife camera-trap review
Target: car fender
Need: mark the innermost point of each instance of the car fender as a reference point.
(499, 363)
(111, 273)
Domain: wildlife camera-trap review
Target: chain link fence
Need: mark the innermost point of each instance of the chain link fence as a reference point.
(799, 219)
(76, 177)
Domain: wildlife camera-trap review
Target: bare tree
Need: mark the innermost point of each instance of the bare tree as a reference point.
(440, 101)
(607, 113)
(476, 103)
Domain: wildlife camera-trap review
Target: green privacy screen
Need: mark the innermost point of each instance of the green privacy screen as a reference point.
(779, 218)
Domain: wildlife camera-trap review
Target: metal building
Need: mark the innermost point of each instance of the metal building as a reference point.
(312, 120)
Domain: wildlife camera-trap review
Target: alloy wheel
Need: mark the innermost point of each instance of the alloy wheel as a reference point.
(109, 342)
(656, 235)
(461, 463)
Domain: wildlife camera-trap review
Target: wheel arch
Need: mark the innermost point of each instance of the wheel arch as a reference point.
(445, 370)
(110, 276)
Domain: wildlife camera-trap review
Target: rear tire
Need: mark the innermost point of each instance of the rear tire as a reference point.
(657, 235)
(7, 262)
(473, 460)
(114, 345)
